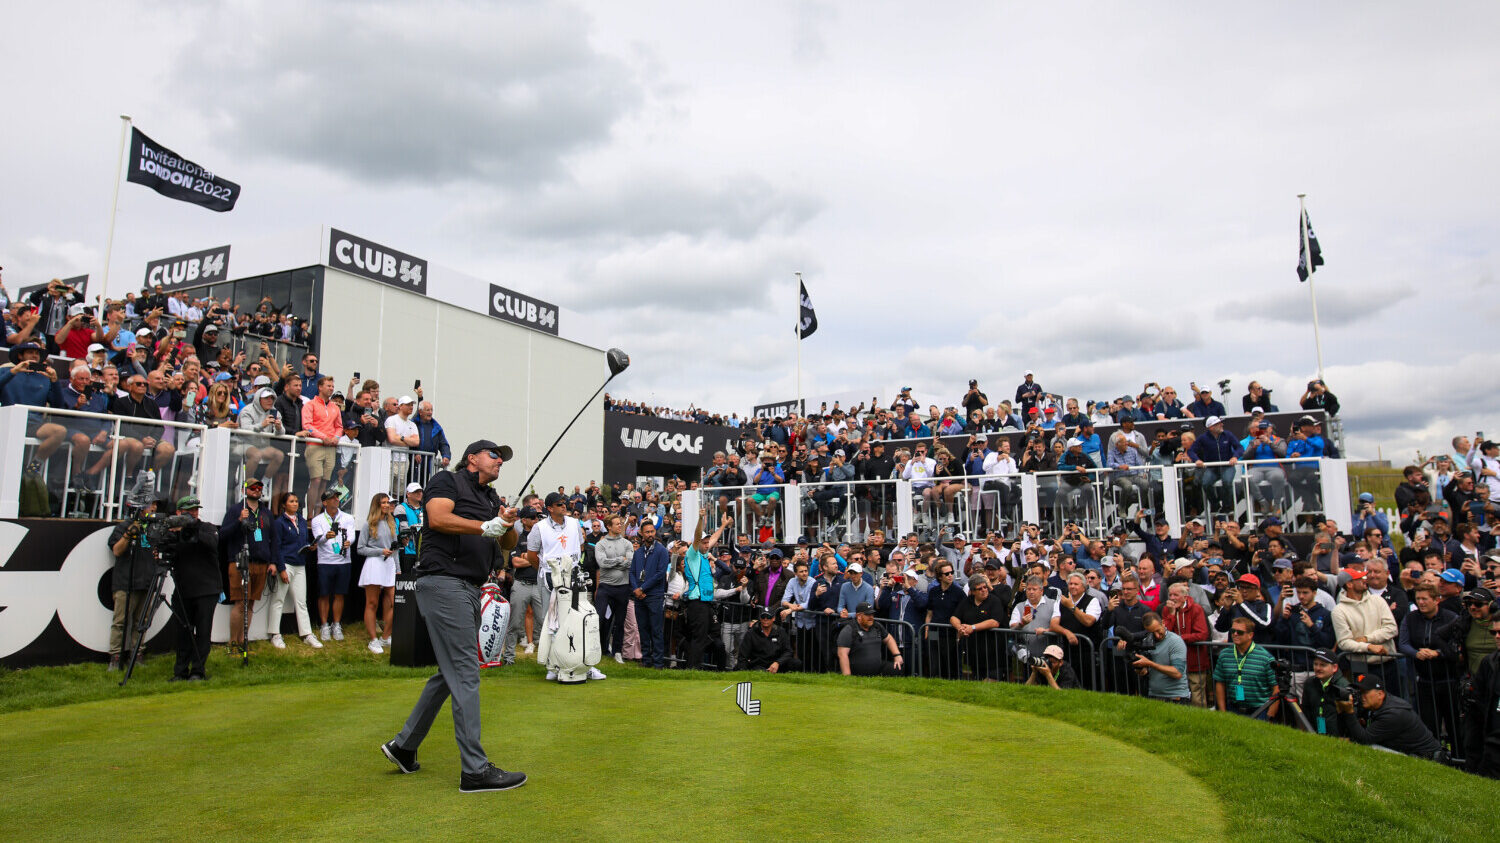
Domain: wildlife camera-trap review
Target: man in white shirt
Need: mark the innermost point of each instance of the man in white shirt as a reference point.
(400, 430)
(920, 469)
(333, 533)
(999, 468)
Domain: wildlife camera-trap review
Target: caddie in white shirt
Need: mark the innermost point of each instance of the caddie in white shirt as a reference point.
(558, 540)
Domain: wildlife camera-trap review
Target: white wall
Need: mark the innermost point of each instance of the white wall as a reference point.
(486, 378)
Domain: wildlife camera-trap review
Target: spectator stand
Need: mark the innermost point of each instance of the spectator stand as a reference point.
(410, 466)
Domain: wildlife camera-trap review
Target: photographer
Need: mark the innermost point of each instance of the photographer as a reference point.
(134, 569)
(247, 527)
(197, 586)
(1317, 397)
(52, 303)
(1390, 723)
(1322, 690)
(1256, 396)
(1052, 670)
(1164, 663)
(333, 531)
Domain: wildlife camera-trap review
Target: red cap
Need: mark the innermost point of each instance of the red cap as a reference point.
(1248, 579)
(1033, 411)
(1355, 574)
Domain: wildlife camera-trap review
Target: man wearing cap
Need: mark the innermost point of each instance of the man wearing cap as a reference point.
(1474, 629)
(333, 535)
(731, 591)
(196, 588)
(400, 430)
(1248, 601)
(862, 646)
(1302, 622)
(1215, 445)
(247, 527)
(408, 514)
(1055, 672)
(528, 588)
(766, 647)
(1391, 723)
(1127, 477)
(1028, 394)
(465, 532)
(1321, 690)
(557, 542)
(131, 577)
(855, 590)
(1364, 626)
(262, 456)
(1431, 638)
(1262, 445)
(1206, 405)
(1450, 587)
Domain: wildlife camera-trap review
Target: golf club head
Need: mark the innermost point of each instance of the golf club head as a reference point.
(619, 361)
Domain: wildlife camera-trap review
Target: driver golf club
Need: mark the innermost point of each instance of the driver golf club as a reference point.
(619, 361)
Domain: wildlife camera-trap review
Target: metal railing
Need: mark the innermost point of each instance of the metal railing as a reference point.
(269, 456)
(1246, 490)
(410, 466)
(81, 464)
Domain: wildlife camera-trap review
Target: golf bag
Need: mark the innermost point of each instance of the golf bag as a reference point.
(494, 619)
(569, 641)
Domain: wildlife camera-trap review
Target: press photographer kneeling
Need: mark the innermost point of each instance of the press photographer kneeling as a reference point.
(1050, 668)
(1391, 724)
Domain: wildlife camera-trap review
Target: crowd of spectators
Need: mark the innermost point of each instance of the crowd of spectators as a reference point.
(693, 414)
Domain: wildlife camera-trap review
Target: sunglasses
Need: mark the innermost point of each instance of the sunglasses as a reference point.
(1239, 632)
(494, 455)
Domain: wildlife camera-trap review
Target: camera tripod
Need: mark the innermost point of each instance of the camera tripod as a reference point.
(242, 564)
(1290, 711)
(154, 599)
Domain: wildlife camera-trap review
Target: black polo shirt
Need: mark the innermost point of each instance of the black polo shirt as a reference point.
(988, 609)
(944, 604)
(470, 558)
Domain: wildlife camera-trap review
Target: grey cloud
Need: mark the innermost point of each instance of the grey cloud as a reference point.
(410, 93)
(648, 205)
(1336, 305)
(675, 275)
(1085, 332)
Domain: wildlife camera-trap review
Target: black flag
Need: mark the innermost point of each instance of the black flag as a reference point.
(808, 322)
(1305, 245)
(171, 175)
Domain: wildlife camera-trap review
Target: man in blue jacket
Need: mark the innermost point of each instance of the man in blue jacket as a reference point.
(248, 523)
(1216, 446)
(648, 584)
(433, 439)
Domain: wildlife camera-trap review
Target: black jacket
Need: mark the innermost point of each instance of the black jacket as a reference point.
(1482, 720)
(1395, 725)
(1316, 703)
(758, 650)
(196, 572)
(1419, 632)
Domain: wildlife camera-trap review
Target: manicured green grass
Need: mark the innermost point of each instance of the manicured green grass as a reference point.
(615, 760)
(1006, 760)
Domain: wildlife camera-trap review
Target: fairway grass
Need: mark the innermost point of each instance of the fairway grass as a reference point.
(623, 759)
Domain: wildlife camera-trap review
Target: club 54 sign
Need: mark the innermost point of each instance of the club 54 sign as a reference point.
(205, 267)
(523, 310)
(371, 260)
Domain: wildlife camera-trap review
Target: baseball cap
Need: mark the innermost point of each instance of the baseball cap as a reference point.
(1074, 443)
(1480, 595)
(992, 565)
(1053, 651)
(188, 502)
(1182, 563)
(775, 553)
(1270, 521)
(254, 481)
(77, 309)
(1368, 682)
(264, 393)
(1212, 420)
(329, 493)
(959, 537)
(1452, 575)
(1051, 409)
(413, 487)
(1366, 497)
(803, 540)
(1249, 579)
(1356, 574)
(1325, 656)
(1033, 411)
(864, 608)
(405, 399)
(93, 347)
(555, 498)
(261, 380)
(856, 568)
(143, 332)
(839, 453)
(1283, 562)
(530, 512)
(766, 613)
(211, 329)
(1257, 411)
(486, 445)
(1028, 372)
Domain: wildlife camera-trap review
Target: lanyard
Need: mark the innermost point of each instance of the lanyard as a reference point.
(1239, 665)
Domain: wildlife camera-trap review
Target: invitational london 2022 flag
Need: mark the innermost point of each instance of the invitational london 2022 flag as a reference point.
(1306, 244)
(171, 175)
(807, 322)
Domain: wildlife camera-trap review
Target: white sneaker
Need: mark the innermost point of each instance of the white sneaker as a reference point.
(374, 646)
(338, 632)
(323, 632)
(386, 641)
(312, 641)
(277, 642)
(530, 648)
(596, 673)
(551, 675)
(619, 659)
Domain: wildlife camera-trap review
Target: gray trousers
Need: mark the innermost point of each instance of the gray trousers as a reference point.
(521, 594)
(451, 609)
(732, 634)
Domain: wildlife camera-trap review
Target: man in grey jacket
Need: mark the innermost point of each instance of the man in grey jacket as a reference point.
(613, 553)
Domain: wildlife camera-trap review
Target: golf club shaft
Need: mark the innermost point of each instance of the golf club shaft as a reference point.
(560, 436)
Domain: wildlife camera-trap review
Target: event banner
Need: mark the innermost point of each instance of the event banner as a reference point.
(175, 177)
(523, 310)
(368, 259)
(202, 267)
(778, 410)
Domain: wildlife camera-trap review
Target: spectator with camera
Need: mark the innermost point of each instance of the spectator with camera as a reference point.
(131, 576)
(732, 594)
(1317, 397)
(1215, 445)
(1051, 668)
(259, 420)
(333, 531)
(1183, 616)
(1322, 690)
(1303, 622)
(1390, 723)
(1161, 657)
(1482, 703)
(1247, 600)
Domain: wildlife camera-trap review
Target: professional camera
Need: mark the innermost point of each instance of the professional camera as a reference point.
(1340, 693)
(404, 534)
(1283, 670)
(1137, 643)
(161, 533)
(1038, 661)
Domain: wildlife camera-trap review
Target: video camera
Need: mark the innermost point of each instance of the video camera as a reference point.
(161, 533)
(404, 534)
(1140, 643)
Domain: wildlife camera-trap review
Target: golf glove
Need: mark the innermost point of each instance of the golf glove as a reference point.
(495, 528)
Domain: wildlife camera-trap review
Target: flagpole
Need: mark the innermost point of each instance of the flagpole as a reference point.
(1307, 251)
(114, 204)
(799, 342)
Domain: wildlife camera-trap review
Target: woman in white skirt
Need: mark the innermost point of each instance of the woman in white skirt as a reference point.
(378, 576)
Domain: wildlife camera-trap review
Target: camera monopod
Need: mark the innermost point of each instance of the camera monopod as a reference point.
(619, 361)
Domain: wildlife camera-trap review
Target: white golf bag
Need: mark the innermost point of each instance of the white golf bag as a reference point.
(569, 643)
(494, 620)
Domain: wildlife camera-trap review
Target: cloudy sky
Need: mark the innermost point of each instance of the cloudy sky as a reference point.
(1105, 193)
